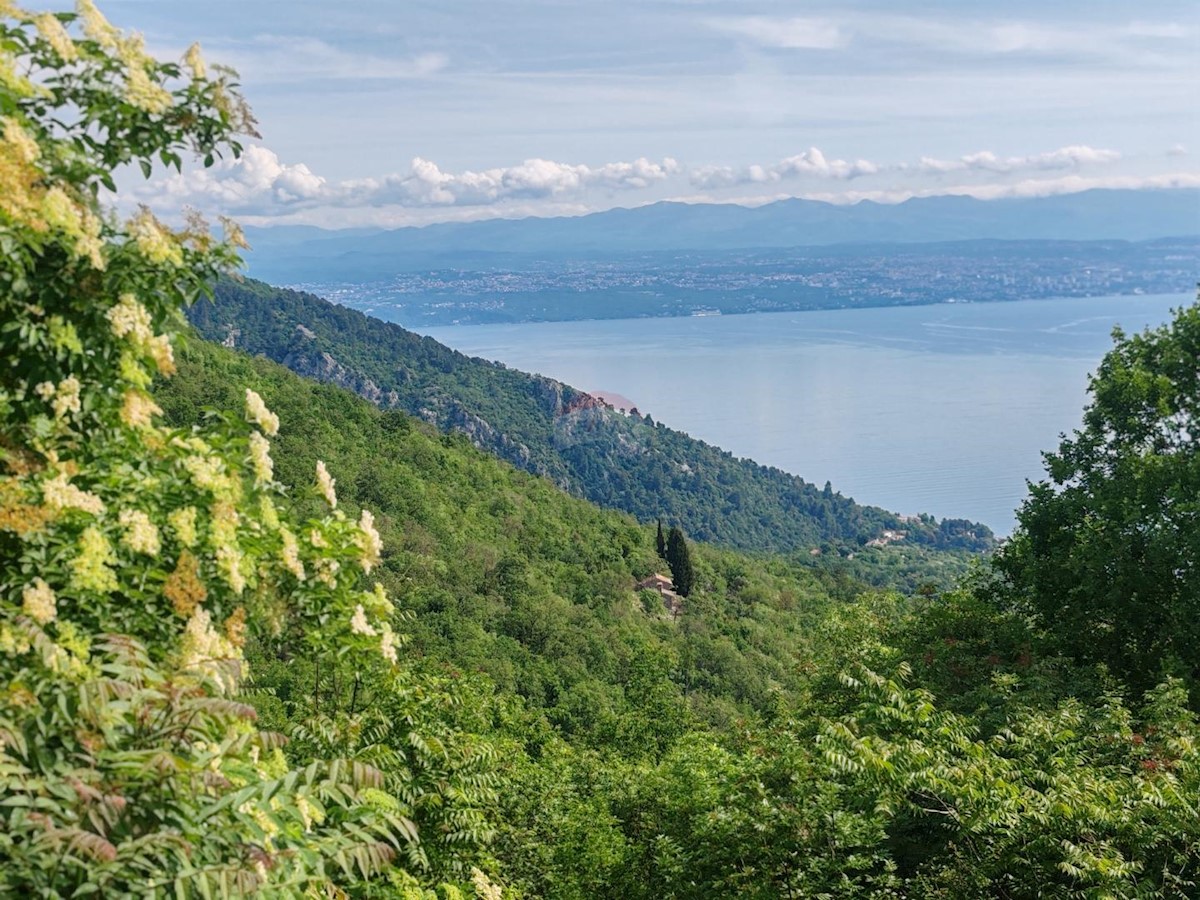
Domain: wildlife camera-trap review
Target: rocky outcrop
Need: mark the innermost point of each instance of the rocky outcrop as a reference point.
(589, 420)
(312, 363)
(485, 437)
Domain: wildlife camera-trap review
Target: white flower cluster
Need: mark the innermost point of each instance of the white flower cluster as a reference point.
(485, 889)
(260, 458)
(195, 61)
(369, 541)
(359, 623)
(147, 95)
(17, 137)
(327, 570)
(52, 31)
(141, 535)
(203, 648)
(95, 26)
(291, 554)
(39, 603)
(138, 410)
(153, 241)
(224, 539)
(325, 483)
(183, 523)
(162, 353)
(387, 643)
(64, 397)
(208, 473)
(59, 493)
(257, 412)
(129, 319)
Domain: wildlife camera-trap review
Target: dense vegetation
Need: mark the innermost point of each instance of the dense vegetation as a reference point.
(367, 660)
(624, 462)
(510, 577)
(749, 748)
(136, 560)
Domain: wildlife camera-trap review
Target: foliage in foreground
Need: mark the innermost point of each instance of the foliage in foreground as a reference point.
(136, 559)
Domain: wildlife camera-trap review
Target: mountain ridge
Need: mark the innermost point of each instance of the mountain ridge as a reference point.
(675, 226)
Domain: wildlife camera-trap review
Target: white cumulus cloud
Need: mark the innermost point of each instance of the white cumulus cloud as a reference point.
(987, 161)
(260, 187)
(811, 162)
(257, 179)
(259, 183)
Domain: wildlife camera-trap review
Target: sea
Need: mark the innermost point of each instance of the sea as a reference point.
(942, 409)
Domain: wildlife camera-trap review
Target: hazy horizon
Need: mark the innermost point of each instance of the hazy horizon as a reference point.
(387, 114)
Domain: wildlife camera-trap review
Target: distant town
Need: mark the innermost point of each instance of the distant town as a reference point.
(728, 282)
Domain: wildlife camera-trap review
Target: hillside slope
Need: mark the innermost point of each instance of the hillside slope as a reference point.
(510, 577)
(552, 429)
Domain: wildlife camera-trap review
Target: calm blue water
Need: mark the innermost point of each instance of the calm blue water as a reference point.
(938, 409)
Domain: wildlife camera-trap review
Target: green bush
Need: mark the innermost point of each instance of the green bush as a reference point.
(136, 559)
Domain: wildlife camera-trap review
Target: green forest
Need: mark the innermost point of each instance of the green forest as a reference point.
(265, 635)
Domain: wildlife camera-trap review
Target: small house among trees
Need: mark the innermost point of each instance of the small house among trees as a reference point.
(665, 588)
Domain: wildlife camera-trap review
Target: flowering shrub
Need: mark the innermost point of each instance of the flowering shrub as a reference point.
(134, 558)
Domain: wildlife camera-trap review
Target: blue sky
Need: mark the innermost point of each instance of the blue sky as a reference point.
(404, 113)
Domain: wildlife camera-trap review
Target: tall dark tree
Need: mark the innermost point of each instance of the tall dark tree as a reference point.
(679, 558)
(660, 542)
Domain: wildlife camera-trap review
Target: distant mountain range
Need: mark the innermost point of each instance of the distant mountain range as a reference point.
(294, 254)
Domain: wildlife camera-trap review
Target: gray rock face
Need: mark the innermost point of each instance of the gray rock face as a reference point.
(321, 366)
(442, 413)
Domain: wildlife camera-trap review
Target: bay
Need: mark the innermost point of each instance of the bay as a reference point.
(942, 409)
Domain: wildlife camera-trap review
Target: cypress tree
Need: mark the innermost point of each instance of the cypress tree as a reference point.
(679, 558)
(660, 542)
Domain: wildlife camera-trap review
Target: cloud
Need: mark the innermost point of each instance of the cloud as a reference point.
(789, 33)
(260, 183)
(986, 161)
(1177, 150)
(427, 185)
(270, 58)
(260, 187)
(811, 162)
(257, 179)
(956, 35)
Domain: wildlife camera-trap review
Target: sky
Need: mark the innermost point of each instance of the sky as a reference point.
(400, 113)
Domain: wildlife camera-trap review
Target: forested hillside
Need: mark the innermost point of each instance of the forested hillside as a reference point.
(625, 462)
(746, 746)
(510, 577)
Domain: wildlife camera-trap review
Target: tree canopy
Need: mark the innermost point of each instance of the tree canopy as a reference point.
(1107, 553)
